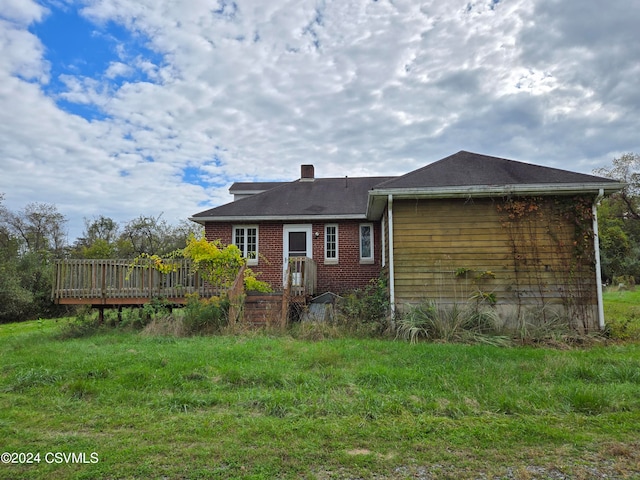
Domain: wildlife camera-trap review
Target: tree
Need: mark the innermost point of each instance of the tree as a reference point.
(154, 236)
(6, 240)
(619, 220)
(145, 235)
(29, 239)
(626, 169)
(39, 227)
(99, 239)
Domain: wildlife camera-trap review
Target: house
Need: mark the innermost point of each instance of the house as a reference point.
(323, 219)
(513, 236)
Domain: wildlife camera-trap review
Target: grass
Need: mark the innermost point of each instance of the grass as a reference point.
(256, 406)
(622, 313)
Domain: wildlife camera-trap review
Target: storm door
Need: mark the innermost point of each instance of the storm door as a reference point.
(296, 243)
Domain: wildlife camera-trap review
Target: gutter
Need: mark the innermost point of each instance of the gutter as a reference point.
(484, 190)
(596, 247)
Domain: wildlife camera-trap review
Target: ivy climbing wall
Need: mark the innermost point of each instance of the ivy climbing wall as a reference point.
(530, 255)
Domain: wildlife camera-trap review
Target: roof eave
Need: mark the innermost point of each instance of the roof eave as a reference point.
(276, 218)
(375, 205)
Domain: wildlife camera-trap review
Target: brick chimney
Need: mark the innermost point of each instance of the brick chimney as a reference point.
(306, 173)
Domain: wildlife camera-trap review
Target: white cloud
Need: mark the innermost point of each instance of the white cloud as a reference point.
(22, 12)
(118, 69)
(21, 54)
(252, 89)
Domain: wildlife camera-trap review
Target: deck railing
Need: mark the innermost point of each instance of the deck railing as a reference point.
(119, 281)
(302, 273)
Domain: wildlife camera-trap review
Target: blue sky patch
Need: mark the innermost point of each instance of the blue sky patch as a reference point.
(195, 175)
(76, 47)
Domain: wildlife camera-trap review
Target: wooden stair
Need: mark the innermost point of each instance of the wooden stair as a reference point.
(274, 309)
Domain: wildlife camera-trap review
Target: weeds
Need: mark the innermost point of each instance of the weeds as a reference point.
(84, 324)
(365, 312)
(206, 315)
(475, 322)
(31, 378)
(454, 322)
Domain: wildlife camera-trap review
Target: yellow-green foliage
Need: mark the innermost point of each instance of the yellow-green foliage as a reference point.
(218, 264)
(162, 265)
(253, 284)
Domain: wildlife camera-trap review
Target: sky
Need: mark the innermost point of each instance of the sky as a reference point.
(125, 108)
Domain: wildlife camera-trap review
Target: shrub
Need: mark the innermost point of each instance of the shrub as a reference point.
(251, 283)
(84, 324)
(365, 310)
(206, 315)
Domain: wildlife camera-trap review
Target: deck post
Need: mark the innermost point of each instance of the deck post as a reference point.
(104, 283)
(236, 298)
(286, 298)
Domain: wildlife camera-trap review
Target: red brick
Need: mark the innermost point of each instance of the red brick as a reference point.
(347, 275)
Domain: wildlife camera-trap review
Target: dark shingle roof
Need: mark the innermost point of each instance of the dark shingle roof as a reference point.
(471, 169)
(460, 174)
(321, 198)
(253, 186)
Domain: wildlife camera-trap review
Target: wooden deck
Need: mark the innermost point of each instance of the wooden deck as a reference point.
(118, 282)
(108, 282)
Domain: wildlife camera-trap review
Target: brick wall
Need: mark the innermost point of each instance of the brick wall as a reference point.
(346, 275)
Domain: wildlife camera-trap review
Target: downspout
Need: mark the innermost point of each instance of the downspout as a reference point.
(392, 280)
(384, 246)
(596, 247)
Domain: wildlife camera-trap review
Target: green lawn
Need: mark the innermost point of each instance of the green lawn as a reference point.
(256, 406)
(622, 313)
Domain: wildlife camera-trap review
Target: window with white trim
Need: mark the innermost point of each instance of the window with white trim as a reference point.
(245, 237)
(331, 243)
(366, 242)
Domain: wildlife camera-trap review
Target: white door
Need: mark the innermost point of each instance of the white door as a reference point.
(296, 242)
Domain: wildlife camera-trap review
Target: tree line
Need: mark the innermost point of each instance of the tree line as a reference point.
(32, 238)
(619, 223)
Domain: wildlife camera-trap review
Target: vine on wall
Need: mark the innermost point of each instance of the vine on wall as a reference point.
(552, 247)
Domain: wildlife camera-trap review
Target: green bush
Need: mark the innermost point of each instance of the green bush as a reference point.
(205, 315)
(84, 324)
(623, 324)
(365, 310)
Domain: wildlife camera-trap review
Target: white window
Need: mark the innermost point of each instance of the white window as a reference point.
(331, 243)
(245, 237)
(366, 242)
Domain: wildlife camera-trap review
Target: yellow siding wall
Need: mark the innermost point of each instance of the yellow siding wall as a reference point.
(523, 261)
